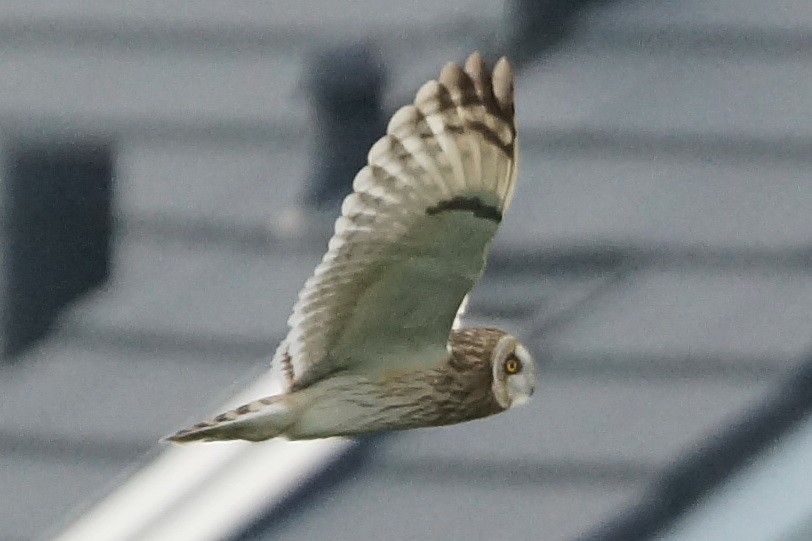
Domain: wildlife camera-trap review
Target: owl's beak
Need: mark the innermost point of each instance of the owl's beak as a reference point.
(521, 389)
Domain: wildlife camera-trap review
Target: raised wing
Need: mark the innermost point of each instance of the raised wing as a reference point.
(412, 238)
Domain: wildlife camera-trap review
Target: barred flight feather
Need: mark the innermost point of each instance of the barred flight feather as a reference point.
(452, 152)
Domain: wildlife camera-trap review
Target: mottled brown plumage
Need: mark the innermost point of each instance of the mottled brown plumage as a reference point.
(458, 390)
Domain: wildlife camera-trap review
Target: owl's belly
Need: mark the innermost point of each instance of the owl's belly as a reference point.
(352, 405)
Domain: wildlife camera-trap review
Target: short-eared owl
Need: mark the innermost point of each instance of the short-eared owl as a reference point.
(374, 341)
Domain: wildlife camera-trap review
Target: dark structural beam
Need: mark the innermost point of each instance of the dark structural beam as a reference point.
(683, 485)
(345, 86)
(58, 198)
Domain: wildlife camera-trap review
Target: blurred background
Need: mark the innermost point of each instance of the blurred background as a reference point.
(170, 171)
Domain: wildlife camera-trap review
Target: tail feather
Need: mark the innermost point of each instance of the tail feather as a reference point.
(259, 420)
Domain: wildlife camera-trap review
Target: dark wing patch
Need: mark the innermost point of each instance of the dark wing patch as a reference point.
(473, 205)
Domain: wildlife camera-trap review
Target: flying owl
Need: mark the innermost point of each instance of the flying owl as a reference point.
(375, 342)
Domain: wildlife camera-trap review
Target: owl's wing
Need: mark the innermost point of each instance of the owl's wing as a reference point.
(413, 237)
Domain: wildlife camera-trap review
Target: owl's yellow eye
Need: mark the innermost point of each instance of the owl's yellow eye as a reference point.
(512, 365)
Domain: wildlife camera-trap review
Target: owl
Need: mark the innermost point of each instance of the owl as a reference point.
(374, 341)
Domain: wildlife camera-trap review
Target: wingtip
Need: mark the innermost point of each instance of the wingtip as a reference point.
(451, 75)
(503, 60)
(477, 70)
(427, 91)
(475, 62)
(503, 84)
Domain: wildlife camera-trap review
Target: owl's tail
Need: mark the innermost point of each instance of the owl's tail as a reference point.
(259, 420)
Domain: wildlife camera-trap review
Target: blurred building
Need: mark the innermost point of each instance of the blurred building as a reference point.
(656, 257)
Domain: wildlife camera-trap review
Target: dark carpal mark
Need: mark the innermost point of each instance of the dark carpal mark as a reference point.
(473, 205)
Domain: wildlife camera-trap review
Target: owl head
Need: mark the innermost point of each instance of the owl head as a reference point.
(514, 377)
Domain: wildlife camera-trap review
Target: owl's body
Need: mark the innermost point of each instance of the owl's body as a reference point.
(374, 341)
